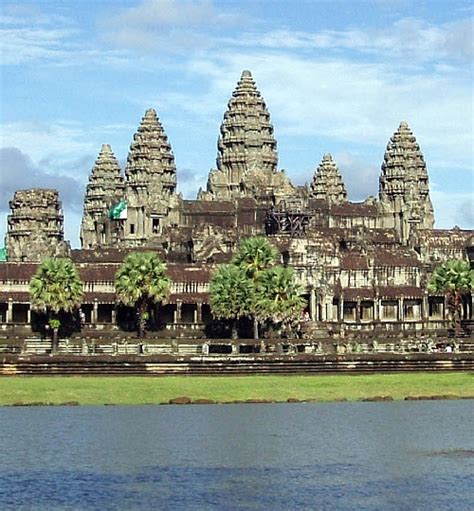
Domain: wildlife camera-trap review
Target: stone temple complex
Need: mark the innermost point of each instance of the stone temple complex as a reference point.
(363, 266)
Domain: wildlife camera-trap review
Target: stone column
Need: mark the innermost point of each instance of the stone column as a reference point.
(425, 307)
(377, 305)
(28, 315)
(341, 309)
(323, 310)
(199, 312)
(330, 310)
(114, 315)
(95, 310)
(401, 315)
(312, 305)
(178, 312)
(9, 317)
(358, 315)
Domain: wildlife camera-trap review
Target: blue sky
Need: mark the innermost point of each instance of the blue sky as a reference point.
(337, 76)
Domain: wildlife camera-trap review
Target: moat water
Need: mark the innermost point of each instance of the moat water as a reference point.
(341, 456)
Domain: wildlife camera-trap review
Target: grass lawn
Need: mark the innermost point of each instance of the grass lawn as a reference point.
(94, 390)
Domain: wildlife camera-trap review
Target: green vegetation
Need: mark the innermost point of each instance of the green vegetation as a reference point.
(54, 289)
(153, 390)
(254, 286)
(453, 278)
(231, 294)
(141, 283)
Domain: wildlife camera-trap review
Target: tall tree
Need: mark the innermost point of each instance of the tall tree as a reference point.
(454, 278)
(279, 296)
(231, 294)
(140, 283)
(254, 256)
(56, 287)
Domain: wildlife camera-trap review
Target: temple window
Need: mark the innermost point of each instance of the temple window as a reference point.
(335, 308)
(132, 228)
(367, 311)
(104, 313)
(3, 312)
(411, 309)
(389, 309)
(436, 307)
(155, 226)
(20, 312)
(349, 311)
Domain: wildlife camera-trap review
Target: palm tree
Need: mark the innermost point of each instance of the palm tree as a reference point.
(231, 294)
(55, 288)
(254, 256)
(280, 296)
(454, 278)
(140, 283)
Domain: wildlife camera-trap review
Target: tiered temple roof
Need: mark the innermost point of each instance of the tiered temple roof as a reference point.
(404, 179)
(106, 182)
(150, 157)
(247, 156)
(327, 182)
(35, 226)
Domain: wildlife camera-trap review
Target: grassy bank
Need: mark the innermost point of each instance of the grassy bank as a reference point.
(144, 390)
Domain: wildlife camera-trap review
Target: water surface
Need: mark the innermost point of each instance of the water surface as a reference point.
(341, 456)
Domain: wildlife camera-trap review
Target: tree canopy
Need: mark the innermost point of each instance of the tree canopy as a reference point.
(56, 286)
(140, 282)
(453, 278)
(255, 255)
(254, 286)
(231, 294)
(280, 295)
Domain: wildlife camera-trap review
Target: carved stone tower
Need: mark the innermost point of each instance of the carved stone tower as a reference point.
(105, 189)
(35, 226)
(150, 192)
(403, 186)
(327, 182)
(247, 156)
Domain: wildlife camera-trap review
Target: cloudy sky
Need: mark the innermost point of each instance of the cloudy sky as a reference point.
(337, 76)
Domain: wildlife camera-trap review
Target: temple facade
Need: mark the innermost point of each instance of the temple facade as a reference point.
(364, 266)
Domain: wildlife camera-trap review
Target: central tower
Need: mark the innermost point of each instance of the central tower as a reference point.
(247, 157)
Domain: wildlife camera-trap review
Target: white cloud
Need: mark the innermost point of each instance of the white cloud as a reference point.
(53, 141)
(167, 25)
(407, 38)
(28, 44)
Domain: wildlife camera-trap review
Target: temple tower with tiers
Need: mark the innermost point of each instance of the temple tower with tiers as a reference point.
(105, 189)
(247, 155)
(35, 226)
(403, 186)
(327, 182)
(150, 190)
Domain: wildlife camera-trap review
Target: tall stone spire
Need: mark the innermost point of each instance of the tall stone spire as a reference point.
(403, 185)
(35, 226)
(151, 159)
(327, 182)
(247, 156)
(150, 183)
(105, 188)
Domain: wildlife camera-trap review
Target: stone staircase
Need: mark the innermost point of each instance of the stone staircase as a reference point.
(237, 365)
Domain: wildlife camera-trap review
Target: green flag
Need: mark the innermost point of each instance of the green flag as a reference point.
(119, 211)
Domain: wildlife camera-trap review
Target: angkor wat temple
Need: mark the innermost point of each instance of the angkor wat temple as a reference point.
(364, 266)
